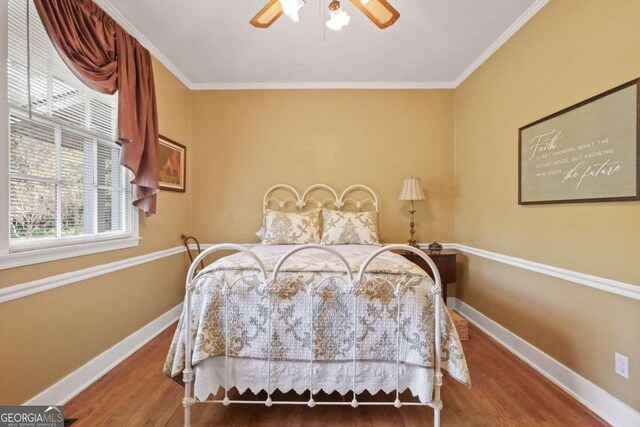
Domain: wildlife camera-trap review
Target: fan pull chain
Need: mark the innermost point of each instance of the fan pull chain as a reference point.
(324, 21)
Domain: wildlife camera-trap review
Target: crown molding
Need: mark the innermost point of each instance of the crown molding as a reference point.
(322, 85)
(122, 20)
(513, 28)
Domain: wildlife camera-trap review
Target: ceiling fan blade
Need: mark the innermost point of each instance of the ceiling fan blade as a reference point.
(268, 15)
(380, 12)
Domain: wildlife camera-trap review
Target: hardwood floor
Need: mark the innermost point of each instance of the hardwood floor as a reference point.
(505, 392)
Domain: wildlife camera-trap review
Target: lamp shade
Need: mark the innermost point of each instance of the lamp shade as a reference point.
(412, 190)
(291, 8)
(338, 17)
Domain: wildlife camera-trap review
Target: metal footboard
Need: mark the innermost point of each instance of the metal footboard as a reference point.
(354, 289)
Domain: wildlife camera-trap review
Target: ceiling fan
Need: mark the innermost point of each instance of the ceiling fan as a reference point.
(380, 12)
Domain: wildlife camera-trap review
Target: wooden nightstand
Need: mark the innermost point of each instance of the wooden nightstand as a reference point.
(445, 261)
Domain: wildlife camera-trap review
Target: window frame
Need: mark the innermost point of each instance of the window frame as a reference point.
(16, 254)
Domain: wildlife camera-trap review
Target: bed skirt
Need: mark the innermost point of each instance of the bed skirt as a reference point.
(251, 374)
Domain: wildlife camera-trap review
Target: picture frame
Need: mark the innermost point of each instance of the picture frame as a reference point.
(172, 165)
(588, 152)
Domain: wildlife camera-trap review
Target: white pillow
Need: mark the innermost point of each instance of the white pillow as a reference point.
(344, 228)
(291, 228)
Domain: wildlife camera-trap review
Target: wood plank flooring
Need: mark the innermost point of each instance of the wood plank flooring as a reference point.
(505, 392)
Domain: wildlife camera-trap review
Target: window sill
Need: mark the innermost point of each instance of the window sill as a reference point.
(36, 256)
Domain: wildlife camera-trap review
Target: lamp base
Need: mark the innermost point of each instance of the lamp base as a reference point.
(412, 229)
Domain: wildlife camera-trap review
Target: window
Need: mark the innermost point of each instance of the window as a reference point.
(66, 184)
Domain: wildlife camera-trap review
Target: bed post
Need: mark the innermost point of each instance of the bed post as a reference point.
(437, 377)
(436, 291)
(187, 374)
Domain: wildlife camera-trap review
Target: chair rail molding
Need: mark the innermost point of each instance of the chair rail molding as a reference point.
(22, 290)
(608, 285)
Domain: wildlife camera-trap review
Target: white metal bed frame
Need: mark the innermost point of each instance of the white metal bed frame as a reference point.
(354, 284)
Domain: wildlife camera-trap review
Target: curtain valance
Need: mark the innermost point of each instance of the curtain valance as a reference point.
(107, 59)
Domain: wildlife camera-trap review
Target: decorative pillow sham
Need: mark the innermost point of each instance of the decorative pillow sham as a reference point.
(344, 228)
(291, 228)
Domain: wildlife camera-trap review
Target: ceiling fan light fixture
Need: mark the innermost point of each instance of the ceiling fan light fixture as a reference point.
(291, 8)
(339, 18)
(380, 12)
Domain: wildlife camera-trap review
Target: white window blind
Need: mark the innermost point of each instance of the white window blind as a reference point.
(66, 181)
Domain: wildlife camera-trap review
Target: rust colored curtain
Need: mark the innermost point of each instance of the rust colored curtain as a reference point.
(107, 59)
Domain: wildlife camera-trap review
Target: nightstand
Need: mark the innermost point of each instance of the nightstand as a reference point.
(445, 261)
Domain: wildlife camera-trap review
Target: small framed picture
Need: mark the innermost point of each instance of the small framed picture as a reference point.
(172, 161)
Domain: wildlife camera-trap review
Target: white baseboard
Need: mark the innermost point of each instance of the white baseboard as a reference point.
(590, 395)
(68, 387)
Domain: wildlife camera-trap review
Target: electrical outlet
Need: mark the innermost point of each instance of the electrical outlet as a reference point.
(622, 365)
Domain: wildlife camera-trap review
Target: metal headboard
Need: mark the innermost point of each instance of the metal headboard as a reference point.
(332, 200)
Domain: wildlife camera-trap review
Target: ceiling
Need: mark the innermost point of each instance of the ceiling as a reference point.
(209, 44)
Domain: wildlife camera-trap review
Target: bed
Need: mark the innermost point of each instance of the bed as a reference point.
(315, 316)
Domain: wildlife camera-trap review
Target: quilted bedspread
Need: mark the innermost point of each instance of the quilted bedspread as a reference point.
(243, 315)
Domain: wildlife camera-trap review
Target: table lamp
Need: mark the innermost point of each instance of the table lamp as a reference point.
(412, 190)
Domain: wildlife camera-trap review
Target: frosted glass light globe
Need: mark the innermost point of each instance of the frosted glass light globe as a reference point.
(291, 8)
(339, 18)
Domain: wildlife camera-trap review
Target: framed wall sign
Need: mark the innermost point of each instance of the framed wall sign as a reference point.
(589, 152)
(172, 161)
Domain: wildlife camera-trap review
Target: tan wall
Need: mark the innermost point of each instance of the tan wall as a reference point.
(246, 141)
(46, 336)
(250, 140)
(571, 50)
